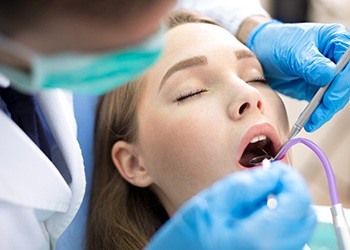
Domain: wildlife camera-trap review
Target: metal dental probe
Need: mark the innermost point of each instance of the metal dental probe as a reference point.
(315, 101)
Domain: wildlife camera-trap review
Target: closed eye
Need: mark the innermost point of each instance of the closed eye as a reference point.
(259, 79)
(189, 95)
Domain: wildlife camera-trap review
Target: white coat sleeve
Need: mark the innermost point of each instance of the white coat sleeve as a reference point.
(228, 13)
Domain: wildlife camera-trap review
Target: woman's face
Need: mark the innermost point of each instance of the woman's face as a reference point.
(201, 106)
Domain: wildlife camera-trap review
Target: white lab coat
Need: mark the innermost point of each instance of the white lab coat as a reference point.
(36, 204)
(228, 13)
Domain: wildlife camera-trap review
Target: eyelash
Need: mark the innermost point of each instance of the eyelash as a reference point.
(190, 94)
(259, 79)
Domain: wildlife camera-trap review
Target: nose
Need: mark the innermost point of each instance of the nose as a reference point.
(245, 102)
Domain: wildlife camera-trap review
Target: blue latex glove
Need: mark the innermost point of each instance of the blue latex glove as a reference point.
(232, 214)
(299, 58)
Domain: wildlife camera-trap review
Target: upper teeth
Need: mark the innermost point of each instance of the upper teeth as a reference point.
(258, 138)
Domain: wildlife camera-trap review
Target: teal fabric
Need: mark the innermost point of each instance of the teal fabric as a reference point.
(324, 237)
(85, 72)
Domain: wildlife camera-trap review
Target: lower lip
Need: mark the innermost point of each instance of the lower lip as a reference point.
(259, 128)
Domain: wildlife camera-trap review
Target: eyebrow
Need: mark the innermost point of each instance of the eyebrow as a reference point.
(184, 64)
(243, 53)
(199, 61)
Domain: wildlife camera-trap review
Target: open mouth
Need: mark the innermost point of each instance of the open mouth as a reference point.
(259, 148)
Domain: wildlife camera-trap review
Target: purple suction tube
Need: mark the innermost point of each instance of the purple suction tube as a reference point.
(332, 185)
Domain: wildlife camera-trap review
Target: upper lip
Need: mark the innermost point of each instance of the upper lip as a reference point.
(255, 130)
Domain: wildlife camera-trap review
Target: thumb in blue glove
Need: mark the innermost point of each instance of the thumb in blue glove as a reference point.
(299, 58)
(232, 214)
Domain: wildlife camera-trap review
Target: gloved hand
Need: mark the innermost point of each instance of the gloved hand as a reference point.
(299, 58)
(232, 214)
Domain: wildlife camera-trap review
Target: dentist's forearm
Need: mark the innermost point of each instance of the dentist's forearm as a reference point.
(248, 25)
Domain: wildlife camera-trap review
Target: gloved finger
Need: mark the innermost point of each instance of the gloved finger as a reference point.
(292, 216)
(274, 232)
(240, 193)
(334, 41)
(339, 49)
(299, 88)
(294, 199)
(310, 64)
(335, 98)
(300, 231)
(280, 233)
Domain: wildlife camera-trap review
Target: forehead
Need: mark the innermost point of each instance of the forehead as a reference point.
(194, 39)
(199, 38)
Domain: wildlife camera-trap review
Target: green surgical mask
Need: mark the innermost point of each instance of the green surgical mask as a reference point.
(81, 73)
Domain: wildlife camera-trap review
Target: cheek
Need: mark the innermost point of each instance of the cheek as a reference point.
(177, 140)
(275, 109)
(182, 149)
(281, 115)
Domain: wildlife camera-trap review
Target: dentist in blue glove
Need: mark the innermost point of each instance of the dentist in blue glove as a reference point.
(300, 58)
(233, 214)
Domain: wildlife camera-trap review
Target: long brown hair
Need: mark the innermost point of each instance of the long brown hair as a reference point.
(123, 216)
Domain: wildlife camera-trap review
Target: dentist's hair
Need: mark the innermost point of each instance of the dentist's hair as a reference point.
(20, 14)
(123, 216)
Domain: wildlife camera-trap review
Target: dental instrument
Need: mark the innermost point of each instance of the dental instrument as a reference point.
(315, 101)
(258, 160)
(272, 202)
(339, 220)
(305, 114)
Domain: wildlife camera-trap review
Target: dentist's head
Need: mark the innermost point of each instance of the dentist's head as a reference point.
(79, 45)
(77, 25)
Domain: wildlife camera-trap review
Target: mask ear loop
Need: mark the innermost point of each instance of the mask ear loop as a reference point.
(340, 224)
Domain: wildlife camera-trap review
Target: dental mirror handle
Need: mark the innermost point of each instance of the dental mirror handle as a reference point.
(315, 101)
